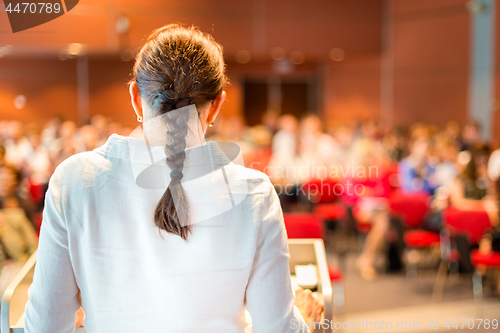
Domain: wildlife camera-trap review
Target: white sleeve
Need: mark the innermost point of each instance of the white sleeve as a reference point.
(53, 296)
(269, 296)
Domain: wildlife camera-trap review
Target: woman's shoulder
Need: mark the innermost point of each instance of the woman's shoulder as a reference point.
(83, 165)
(258, 182)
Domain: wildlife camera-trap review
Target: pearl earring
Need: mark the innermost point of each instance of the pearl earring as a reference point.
(139, 119)
(210, 124)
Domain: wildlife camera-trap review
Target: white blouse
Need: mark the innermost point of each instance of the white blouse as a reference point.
(99, 243)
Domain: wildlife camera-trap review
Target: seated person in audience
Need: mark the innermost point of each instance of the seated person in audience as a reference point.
(38, 167)
(446, 168)
(471, 136)
(416, 173)
(395, 144)
(17, 145)
(368, 189)
(282, 169)
(472, 189)
(18, 239)
(446, 173)
(14, 195)
(37, 164)
(316, 149)
(64, 146)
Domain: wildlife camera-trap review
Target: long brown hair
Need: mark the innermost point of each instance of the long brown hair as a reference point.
(178, 67)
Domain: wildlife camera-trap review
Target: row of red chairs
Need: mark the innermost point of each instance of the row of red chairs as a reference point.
(411, 208)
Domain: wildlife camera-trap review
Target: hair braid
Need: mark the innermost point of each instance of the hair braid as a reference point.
(178, 67)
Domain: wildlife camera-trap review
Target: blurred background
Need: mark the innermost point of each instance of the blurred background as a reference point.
(407, 87)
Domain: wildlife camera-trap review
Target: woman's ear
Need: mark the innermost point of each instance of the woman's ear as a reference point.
(214, 109)
(135, 99)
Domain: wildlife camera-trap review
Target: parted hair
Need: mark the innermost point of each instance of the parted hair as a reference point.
(177, 67)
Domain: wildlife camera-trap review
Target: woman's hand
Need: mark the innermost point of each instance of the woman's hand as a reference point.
(310, 308)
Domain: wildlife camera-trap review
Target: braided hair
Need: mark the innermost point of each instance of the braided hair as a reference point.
(178, 67)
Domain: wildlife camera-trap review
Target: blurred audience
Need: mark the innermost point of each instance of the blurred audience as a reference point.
(18, 239)
(367, 160)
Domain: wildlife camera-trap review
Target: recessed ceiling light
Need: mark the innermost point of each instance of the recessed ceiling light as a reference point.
(75, 48)
(278, 53)
(337, 54)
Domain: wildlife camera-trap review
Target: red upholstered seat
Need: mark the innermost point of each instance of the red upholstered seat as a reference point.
(304, 225)
(411, 207)
(470, 223)
(335, 274)
(421, 238)
(332, 211)
(491, 259)
(322, 191)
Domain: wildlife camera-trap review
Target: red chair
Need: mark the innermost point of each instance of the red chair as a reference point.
(379, 189)
(473, 224)
(323, 191)
(324, 194)
(491, 259)
(412, 209)
(304, 225)
(330, 211)
(308, 225)
(421, 238)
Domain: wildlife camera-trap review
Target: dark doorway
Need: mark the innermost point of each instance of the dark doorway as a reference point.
(255, 101)
(291, 95)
